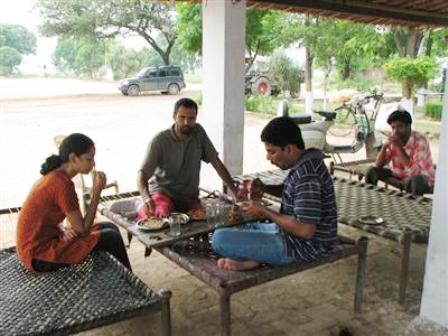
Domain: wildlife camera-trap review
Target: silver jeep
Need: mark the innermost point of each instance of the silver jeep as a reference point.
(166, 79)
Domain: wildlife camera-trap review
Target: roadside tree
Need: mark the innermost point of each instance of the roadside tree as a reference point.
(17, 37)
(411, 71)
(263, 31)
(82, 57)
(126, 62)
(108, 18)
(10, 58)
(287, 74)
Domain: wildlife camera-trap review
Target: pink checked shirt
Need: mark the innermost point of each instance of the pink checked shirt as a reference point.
(417, 148)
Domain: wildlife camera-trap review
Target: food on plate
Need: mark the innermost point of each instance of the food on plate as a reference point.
(197, 214)
(152, 223)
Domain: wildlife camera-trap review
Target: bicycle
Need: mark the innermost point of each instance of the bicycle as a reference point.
(314, 133)
(352, 118)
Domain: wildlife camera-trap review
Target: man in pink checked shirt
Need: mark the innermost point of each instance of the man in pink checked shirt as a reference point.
(408, 154)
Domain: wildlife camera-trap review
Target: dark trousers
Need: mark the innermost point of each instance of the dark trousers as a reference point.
(416, 185)
(110, 241)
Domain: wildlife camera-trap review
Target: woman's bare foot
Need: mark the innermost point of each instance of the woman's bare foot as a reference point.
(233, 265)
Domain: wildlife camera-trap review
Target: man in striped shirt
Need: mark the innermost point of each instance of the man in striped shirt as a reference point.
(409, 155)
(305, 229)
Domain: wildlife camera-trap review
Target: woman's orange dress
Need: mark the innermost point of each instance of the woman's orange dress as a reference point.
(38, 233)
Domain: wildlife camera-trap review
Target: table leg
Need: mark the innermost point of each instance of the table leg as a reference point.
(360, 273)
(129, 239)
(405, 250)
(165, 296)
(224, 303)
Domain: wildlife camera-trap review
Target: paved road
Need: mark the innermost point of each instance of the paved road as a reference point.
(121, 127)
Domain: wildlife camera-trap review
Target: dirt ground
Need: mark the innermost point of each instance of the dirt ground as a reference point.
(316, 302)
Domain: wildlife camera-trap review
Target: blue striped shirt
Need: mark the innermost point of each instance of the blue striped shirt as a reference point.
(308, 195)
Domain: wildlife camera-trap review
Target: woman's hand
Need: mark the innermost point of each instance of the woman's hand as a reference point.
(67, 233)
(99, 180)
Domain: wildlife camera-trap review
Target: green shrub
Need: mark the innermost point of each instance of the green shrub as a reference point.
(193, 78)
(360, 83)
(433, 109)
(198, 100)
(268, 105)
(265, 105)
(261, 104)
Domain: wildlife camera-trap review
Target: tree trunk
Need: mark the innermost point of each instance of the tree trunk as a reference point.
(429, 44)
(308, 81)
(346, 70)
(308, 69)
(406, 89)
(165, 58)
(251, 60)
(326, 79)
(408, 41)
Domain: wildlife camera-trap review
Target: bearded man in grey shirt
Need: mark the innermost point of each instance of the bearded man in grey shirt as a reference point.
(168, 179)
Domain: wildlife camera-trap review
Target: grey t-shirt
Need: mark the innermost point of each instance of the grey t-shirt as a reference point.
(175, 164)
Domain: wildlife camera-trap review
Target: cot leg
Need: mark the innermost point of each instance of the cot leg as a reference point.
(360, 273)
(224, 303)
(165, 296)
(129, 239)
(405, 250)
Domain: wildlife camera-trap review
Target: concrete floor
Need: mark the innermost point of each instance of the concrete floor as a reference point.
(315, 302)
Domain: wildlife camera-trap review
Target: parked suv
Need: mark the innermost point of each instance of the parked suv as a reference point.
(166, 79)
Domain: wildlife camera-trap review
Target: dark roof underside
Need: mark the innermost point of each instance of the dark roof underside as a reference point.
(414, 13)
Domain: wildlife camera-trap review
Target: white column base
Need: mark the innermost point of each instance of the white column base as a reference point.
(309, 102)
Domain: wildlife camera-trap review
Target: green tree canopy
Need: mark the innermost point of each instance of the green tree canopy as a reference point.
(17, 37)
(263, 30)
(108, 18)
(10, 58)
(82, 56)
(285, 73)
(126, 62)
(411, 71)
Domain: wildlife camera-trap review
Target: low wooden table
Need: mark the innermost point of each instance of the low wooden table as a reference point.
(160, 237)
(406, 218)
(203, 264)
(226, 283)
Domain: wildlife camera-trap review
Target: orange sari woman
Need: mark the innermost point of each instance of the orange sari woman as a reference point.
(42, 244)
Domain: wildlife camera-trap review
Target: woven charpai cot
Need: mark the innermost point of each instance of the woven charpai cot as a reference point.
(97, 292)
(355, 200)
(400, 211)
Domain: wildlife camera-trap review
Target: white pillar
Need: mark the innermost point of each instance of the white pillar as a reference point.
(309, 102)
(435, 295)
(224, 23)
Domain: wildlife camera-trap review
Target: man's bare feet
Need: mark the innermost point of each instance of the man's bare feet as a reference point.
(233, 265)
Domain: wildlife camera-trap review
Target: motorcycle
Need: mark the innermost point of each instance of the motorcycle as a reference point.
(352, 120)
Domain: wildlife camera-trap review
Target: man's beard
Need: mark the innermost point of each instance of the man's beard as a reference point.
(186, 130)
